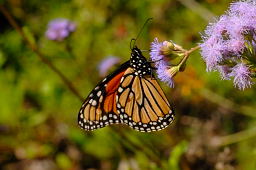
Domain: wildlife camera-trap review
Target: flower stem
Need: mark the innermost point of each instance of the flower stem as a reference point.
(186, 55)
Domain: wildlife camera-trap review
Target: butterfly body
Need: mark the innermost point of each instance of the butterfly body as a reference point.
(139, 63)
(131, 96)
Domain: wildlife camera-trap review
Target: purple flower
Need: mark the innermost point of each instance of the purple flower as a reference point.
(163, 73)
(155, 52)
(163, 52)
(217, 29)
(106, 64)
(242, 78)
(226, 43)
(235, 46)
(244, 8)
(161, 64)
(211, 51)
(59, 29)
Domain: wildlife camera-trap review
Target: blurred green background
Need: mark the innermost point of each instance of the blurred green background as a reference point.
(215, 125)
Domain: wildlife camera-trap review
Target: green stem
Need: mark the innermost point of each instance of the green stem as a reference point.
(186, 56)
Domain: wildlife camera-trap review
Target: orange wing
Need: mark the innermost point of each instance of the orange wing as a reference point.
(99, 108)
(126, 98)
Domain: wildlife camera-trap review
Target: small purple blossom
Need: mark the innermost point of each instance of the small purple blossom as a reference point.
(161, 53)
(242, 78)
(164, 75)
(106, 64)
(59, 29)
(155, 51)
(157, 56)
(226, 43)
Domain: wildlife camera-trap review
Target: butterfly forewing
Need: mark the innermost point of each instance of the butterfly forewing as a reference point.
(142, 104)
(99, 108)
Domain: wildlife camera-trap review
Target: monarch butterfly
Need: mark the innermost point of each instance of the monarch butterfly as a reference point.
(130, 95)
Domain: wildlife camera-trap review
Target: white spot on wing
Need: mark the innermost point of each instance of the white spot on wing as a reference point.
(99, 93)
(104, 117)
(91, 101)
(101, 98)
(122, 79)
(120, 89)
(94, 102)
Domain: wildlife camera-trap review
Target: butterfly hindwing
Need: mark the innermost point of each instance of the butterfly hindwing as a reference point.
(142, 104)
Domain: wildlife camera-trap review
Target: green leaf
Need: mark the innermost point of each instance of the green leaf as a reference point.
(63, 161)
(176, 154)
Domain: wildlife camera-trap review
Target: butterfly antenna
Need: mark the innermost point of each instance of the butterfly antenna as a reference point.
(144, 50)
(135, 39)
(132, 40)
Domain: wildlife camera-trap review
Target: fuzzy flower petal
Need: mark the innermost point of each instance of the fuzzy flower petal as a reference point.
(242, 78)
(59, 29)
(155, 53)
(106, 64)
(218, 28)
(211, 50)
(235, 46)
(246, 8)
(164, 75)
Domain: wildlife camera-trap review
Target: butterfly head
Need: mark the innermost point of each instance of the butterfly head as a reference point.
(139, 63)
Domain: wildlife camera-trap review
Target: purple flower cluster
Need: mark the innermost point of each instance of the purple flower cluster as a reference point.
(59, 29)
(229, 44)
